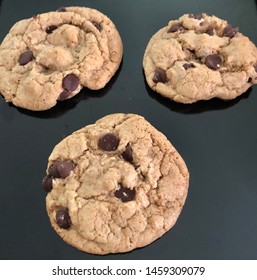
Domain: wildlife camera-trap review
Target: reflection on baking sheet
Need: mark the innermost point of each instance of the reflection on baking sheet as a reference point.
(199, 106)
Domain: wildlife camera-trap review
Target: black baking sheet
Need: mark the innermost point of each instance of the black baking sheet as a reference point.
(217, 139)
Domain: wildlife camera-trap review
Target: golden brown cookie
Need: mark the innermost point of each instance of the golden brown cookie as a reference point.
(115, 185)
(198, 57)
(51, 56)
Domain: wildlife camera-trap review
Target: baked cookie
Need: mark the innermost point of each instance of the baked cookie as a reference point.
(51, 56)
(115, 185)
(198, 57)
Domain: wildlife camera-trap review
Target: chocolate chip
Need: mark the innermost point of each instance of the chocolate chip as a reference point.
(196, 16)
(53, 171)
(64, 95)
(125, 194)
(230, 31)
(176, 27)
(51, 28)
(188, 65)
(127, 154)
(97, 25)
(109, 142)
(210, 31)
(25, 57)
(213, 61)
(64, 168)
(48, 183)
(70, 82)
(160, 76)
(62, 218)
(255, 67)
(61, 169)
(62, 9)
(249, 80)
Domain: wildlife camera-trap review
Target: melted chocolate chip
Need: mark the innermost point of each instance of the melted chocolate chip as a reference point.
(213, 61)
(62, 218)
(48, 183)
(210, 31)
(249, 80)
(70, 82)
(176, 27)
(64, 168)
(196, 16)
(188, 65)
(25, 57)
(255, 67)
(125, 194)
(160, 76)
(230, 31)
(51, 28)
(62, 9)
(53, 171)
(61, 169)
(109, 142)
(97, 25)
(64, 95)
(127, 154)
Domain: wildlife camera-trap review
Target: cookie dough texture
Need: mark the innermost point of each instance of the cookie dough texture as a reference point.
(199, 57)
(119, 195)
(38, 53)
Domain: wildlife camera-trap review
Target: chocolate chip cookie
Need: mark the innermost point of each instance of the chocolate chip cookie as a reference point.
(51, 56)
(115, 185)
(199, 57)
